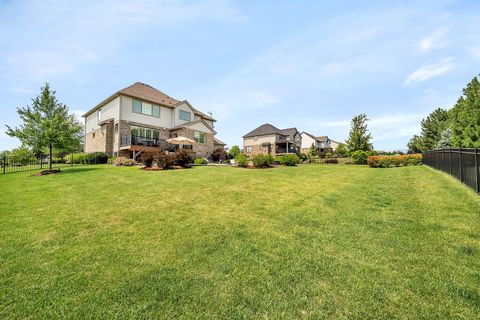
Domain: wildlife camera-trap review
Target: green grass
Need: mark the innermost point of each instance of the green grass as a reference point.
(303, 242)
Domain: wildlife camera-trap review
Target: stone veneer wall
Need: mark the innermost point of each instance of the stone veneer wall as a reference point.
(103, 141)
(201, 150)
(258, 149)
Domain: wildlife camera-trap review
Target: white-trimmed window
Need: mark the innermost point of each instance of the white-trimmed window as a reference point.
(248, 149)
(184, 115)
(199, 137)
(145, 108)
(99, 115)
(145, 132)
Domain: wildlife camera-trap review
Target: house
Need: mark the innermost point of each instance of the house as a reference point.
(141, 118)
(268, 139)
(334, 144)
(321, 143)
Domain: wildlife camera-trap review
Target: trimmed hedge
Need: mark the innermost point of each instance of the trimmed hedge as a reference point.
(87, 158)
(288, 159)
(395, 161)
(262, 160)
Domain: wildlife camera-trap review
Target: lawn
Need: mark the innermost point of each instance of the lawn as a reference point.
(306, 242)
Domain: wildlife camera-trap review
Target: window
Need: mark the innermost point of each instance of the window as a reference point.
(248, 149)
(99, 115)
(156, 111)
(145, 133)
(116, 128)
(137, 106)
(199, 137)
(255, 138)
(145, 108)
(184, 115)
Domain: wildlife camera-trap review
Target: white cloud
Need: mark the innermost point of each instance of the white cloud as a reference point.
(437, 39)
(428, 71)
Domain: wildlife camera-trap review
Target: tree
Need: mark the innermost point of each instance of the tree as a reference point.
(445, 139)
(464, 117)
(341, 150)
(312, 152)
(47, 125)
(432, 128)
(234, 151)
(415, 145)
(359, 138)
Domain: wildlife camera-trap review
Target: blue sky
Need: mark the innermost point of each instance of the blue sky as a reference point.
(305, 64)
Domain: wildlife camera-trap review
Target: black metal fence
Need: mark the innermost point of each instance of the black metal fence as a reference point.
(13, 164)
(462, 163)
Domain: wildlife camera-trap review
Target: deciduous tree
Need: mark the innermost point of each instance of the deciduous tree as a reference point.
(47, 124)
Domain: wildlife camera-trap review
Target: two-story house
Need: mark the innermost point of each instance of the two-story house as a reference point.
(141, 118)
(268, 139)
(322, 143)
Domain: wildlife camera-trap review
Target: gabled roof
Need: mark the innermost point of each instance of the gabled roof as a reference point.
(196, 111)
(265, 129)
(289, 132)
(188, 124)
(319, 139)
(148, 93)
(216, 141)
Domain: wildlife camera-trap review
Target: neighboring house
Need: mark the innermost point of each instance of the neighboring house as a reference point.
(141, 118)
(322, 143)
(268, 139)
(334, 144)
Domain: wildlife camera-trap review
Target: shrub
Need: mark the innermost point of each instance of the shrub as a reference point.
(241, 160)
(87, 158)
(262, 160)
(147, 158)
(303, 157)
(122, 161)
(359, 157)
(111, 160)
(183, 158)
(219, 155)
(394, 161)
(234, 151)
(164, 160)
(288, 159)
(200, 161)
(331, 160)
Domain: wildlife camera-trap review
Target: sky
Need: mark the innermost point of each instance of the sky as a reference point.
(305, 64)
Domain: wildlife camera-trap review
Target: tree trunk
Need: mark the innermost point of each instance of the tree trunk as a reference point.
(50, 160)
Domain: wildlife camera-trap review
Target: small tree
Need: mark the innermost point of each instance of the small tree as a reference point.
(359, 138)
(415, 145)
(341, 150)
(47, 125)
(312, 152)
(445, 139)
(234, 151)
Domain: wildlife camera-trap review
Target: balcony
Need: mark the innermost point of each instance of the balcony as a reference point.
(127, 141)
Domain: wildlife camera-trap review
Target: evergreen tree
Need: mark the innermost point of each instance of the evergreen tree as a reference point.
(445, 139)
(432, 128)
(47, 125)
(415, 145)
(312, 152)
(464, 117)
(359, 137)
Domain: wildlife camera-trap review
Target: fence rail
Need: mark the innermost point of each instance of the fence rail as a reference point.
(318, 160)
(462, 163)
(12, 164)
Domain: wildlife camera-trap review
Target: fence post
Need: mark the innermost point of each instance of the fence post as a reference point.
(41, 161)
(461, 169)
(450, 156)
(476, 171)
(4, 164)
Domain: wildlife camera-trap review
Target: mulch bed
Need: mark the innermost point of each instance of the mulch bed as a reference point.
(45, 172)
(161, 169)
